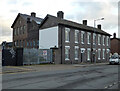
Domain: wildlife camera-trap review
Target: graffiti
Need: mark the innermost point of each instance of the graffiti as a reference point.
(12, 53)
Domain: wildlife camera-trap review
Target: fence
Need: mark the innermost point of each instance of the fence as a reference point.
(37, 56)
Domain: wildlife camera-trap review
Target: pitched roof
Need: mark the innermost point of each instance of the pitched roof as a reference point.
(25, 16)
(73, 24)
(115, 38)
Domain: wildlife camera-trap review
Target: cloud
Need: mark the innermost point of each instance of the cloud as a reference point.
(74, 10)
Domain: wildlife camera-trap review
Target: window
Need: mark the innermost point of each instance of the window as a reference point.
(27, 43)
(88, 53)
(82, 37)
(31, 43)
(67, 34)
(99, 53)
(38, 43)
(103, 53)
(103, 40)
(89, 37)
(18, 31)
(94, 38)
(76, 52)
(107, 41)
(20, 43)
(99, 39)
(17, 42)
(24, 27)
(76, 36)
(67, 52)
(23, 43)
(34, 43)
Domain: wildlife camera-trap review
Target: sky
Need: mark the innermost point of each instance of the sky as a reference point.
(74, 10)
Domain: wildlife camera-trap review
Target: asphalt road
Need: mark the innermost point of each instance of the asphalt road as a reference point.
(90, 77)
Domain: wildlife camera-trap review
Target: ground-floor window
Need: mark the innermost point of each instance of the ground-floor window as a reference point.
(76, 52)
(103, 53)
(88, 54)
(67, 52)
(99, 53)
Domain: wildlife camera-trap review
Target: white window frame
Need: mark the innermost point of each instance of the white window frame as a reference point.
(103, 53)
(68, 48)
(77, 49)
(88, 37)
(99, 39)
(99, 54)
(76, 36)
(67, 30)
(94, 38)
(88, 54)
(82, 37)
(103, 40)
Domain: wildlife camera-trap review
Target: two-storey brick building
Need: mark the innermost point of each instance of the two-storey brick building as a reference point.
(26, 30)
(115, 44)
(73, 42)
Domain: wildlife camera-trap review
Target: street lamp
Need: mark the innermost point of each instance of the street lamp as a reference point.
(95, 37)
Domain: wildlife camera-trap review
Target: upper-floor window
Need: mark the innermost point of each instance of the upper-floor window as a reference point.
(67, 34)
(18, 31)
(108, 40)
(94, 38)
(14, 31)
(67, 52)
(76, 36)
(76, 52)
(99, 39)
(89, 38)
(82, 37)
(103, 40)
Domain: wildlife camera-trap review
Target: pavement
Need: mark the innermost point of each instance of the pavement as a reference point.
(43, 67)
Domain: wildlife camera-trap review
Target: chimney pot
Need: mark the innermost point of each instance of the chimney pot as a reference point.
(33, 14)
(60, 14)
(114, 35)
(85, 22)
(99, 26)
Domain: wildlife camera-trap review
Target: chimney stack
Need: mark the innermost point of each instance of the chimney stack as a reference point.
(60, 14)
(33, 14)
(85, 22)
(99, 26)
(28, 20)
(114, 35)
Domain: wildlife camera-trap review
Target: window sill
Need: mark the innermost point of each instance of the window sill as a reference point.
(67, 41)
(76, 58)
(82, 43)
(67, 59)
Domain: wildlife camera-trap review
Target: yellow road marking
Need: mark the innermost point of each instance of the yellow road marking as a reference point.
(18, 68)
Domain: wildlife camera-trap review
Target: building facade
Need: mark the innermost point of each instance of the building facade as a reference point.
(115, 44)
(75, 42)
(26, 30)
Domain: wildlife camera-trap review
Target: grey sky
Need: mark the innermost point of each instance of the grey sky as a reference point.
(75, 10)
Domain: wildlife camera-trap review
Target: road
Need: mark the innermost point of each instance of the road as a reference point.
(89, 77)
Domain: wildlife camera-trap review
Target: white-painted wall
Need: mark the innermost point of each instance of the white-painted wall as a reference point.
(48, 38)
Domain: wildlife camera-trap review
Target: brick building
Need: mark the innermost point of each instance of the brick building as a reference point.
(115, 44)
(26, 30)
(73, 42)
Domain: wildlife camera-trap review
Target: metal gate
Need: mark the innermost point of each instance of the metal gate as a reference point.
(12, 57)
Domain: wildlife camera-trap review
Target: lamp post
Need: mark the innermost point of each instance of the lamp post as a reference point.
(95, 38)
